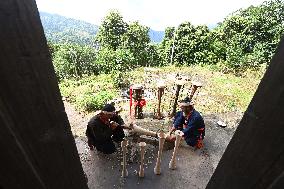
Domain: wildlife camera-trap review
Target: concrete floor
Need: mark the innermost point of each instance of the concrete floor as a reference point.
(194, 168)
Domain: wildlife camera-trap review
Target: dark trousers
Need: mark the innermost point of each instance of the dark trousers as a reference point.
(190, 140)
(108, 146)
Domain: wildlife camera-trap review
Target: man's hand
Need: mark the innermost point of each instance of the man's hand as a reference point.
(126, 127)
(91, 146)
(172, 130)
(113, 125)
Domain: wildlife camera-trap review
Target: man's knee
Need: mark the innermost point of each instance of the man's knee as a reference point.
(191, 141)
(106, 148)
(118, 135)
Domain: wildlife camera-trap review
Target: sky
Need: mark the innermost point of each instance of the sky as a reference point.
(157, 14)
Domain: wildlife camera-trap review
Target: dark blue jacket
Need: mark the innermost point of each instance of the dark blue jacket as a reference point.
(194, 124)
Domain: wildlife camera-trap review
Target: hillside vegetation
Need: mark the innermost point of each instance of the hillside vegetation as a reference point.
(59, 29)
(229, 60)
(221, 93)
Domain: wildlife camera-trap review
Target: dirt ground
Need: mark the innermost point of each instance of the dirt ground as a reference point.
(194, 167)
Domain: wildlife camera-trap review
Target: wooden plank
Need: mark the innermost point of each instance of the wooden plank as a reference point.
(254, 157)
(37, 146)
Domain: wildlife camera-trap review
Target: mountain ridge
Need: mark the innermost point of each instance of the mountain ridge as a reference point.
(59, 28)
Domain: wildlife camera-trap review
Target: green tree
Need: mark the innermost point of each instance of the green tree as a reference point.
(217, 46)
(136, 40)
(72, 60)
(153, 56)
(192, 45)
(111, 30)
(165, 48)
(125, 60)
(203, 50)
(250, 36)
(106, 60)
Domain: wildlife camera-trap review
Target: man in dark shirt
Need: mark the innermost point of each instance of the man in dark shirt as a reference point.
(191, 123)
(104, 129)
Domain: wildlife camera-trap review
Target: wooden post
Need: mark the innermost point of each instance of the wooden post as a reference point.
(176, 100)
(162, 138)
(124, 144)
(137, 96)
(36, 143)
(161, 90)
(254, 157)
(142, 146)
(194, 86)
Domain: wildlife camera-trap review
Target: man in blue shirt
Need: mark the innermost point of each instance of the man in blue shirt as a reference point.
(190, 122)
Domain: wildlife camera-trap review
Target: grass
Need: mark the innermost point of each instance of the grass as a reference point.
(220, 93)
(89, 93)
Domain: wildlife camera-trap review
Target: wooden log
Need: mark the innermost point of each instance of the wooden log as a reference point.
(37, 146)
(124, 172)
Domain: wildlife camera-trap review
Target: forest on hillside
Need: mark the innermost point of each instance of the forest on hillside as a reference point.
(60, 29)
(245, 39)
